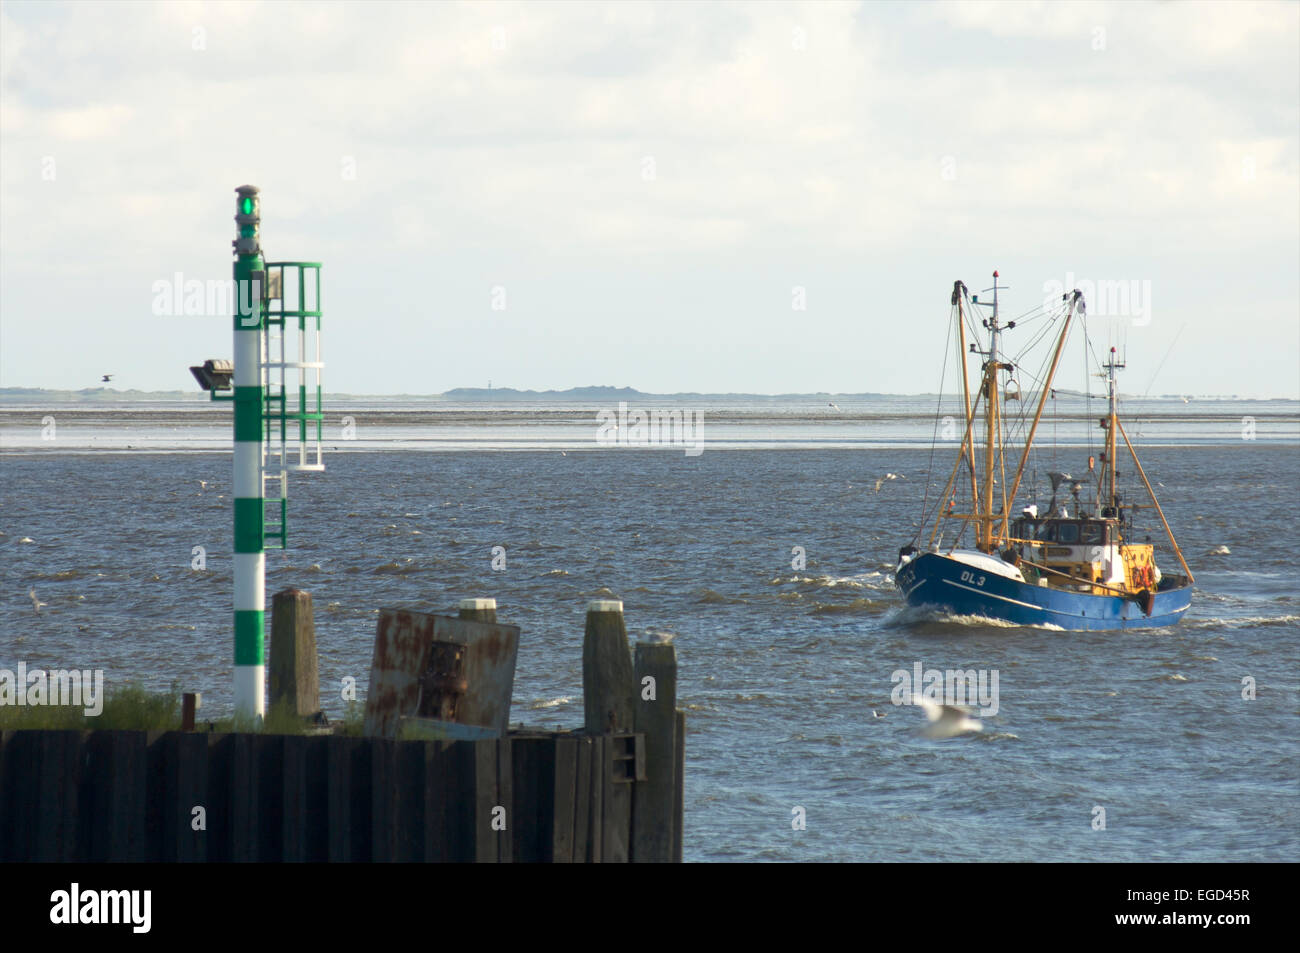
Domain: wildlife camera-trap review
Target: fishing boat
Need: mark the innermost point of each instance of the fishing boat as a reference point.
(1071, 564)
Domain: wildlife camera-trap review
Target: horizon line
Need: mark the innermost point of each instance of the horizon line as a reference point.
(9, 391)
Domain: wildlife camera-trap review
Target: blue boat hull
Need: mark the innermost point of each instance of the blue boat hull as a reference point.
(934, 581)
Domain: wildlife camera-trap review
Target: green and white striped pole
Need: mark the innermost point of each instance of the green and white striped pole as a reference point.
(250, 558)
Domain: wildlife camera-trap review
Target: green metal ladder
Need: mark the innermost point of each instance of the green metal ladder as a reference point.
(291, 440)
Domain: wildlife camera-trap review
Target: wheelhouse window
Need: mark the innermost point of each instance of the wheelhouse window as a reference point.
(1066, 532)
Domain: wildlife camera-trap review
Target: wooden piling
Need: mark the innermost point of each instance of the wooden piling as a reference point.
(483, 787)
(42, 775)
(232, 798)
(116, 796)
(397, 783)
(608, 688)
(306, 819)
(564, 798)
(505, 798)
(348, 799)
(471, 791)
(177, 785)
(596, 804)
(114, 802)
(190, 703)
(533, 807)
(679, 786)
(478, 610)
(456, 809)
(268, 753)
(442, 789)
(607, 680)
(582, 804)
(295, 679)
(653, 800)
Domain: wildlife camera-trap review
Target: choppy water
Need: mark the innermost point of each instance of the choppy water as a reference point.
(781, 669)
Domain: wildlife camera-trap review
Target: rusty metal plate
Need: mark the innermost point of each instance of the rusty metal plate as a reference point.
(417, 669)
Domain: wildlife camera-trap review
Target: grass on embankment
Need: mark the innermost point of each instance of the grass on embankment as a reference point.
(133, 708)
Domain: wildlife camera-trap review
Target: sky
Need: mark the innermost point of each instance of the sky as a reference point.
(711, 197)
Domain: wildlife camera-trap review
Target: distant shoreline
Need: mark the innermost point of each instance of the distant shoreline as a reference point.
(94, 395)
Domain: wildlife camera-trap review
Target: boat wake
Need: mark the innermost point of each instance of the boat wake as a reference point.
(1244, 622)
(912, 616)
(879, 581)
(860, 605)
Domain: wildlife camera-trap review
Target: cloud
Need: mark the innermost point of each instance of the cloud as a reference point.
(617, 133)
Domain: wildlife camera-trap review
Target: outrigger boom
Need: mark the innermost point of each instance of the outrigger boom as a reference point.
(1069, 570)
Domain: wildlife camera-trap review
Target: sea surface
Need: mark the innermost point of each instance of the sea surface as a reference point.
(786, 673)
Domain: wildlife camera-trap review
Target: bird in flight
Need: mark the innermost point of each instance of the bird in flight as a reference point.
(945, 721)
(36, 603)
(107, 377)
(833, 404)
(887, 476)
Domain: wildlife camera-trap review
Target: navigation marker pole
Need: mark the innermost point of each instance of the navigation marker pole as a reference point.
(249, 398)
(275, 303)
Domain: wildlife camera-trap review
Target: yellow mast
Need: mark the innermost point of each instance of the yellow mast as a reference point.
(1042, 402)
(967, 441)
(1002, 483)
(991, 411)
(958, 288)
(990, 438)
(1152, 493)
(1112, 419)
(967, 451)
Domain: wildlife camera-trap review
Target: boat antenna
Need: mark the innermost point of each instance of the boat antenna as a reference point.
(1152, 382)
(992, 425)
(958, 288)
(1112, 395)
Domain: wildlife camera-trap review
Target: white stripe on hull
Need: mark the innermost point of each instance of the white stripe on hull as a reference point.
(992, 595)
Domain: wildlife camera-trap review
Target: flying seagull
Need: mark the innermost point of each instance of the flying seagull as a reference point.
(833, 404)
(36, 603)
(946, 721)
(107, 378)
(887, 476)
